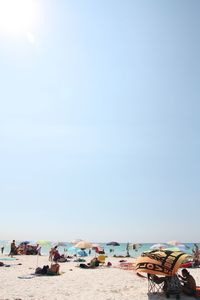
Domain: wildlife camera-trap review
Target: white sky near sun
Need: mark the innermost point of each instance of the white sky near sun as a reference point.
(18, 17)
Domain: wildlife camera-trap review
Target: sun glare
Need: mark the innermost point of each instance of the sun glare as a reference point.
(17, 16)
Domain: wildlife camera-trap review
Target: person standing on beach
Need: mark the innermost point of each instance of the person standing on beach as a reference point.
(13, 249)
(196, 254)
(52, 252)
(2, 249)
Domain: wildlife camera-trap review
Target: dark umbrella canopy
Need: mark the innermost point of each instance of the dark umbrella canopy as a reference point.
(113, 244)
(24, 243)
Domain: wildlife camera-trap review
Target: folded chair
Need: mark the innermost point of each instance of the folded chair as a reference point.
(169, 285)
(154, 287)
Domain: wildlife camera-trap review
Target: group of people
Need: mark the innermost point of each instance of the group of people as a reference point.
(185, 282)
(24, 249)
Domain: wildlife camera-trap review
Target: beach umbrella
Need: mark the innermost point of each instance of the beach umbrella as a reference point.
(173, 243)
(161, 262)
(180, 247)
(83, 245)
(94, 245)
(76, 241)
(158, 246)
(24, 243)
(113, 244)
(60, 244)
(176, 245)
(43, 243)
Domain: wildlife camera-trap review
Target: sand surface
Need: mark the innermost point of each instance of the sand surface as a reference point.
(103, 283)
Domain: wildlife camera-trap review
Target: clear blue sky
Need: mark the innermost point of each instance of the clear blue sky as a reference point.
(99, 122)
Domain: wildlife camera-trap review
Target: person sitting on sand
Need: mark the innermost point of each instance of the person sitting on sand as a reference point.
(56, 255)
(93, 264)
(189, 283)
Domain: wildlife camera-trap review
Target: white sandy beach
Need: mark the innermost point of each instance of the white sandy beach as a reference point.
(102, 283)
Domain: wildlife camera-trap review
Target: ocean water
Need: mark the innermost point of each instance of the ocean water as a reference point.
(109, 250)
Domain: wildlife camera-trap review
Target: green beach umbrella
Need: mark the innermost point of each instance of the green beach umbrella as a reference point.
(43, 243)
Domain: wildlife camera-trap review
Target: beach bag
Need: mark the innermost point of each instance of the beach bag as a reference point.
(54, 268)
(197, 291)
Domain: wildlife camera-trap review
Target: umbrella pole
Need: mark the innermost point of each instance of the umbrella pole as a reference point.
(37, 260)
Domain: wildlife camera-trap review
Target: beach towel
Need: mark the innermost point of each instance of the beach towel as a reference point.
(127, 266)
(7, 258)
(33, 275)
(48, 274)
(26, 277)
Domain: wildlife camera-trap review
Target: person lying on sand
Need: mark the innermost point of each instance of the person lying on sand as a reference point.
(93, 264)
(46, 270)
